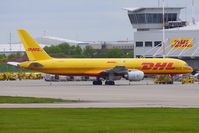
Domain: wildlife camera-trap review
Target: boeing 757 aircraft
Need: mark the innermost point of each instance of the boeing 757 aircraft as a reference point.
(109, 69)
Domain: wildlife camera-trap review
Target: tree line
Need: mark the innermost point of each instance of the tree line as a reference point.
(64, 50)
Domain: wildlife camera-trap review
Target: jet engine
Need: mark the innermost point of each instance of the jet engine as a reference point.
(135, 75)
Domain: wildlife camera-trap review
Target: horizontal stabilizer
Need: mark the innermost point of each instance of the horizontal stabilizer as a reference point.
(13, 63)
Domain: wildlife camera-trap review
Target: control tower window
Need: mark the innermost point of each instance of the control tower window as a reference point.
(141, 18)
(171, 17)
(151, 18)
(133, 18)
(139, 44)
(148, 44)
(156, 18)
(137, 18)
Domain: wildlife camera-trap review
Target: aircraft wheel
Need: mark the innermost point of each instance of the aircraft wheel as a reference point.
(97, 82)
(109, 82)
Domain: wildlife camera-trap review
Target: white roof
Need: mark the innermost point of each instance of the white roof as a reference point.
(63, 40)
(134, 9)
(43, 41)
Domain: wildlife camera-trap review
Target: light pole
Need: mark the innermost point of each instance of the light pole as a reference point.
(163, 29)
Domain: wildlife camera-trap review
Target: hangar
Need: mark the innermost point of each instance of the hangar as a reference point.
(43, 41)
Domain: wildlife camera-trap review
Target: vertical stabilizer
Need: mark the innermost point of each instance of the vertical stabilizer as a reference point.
(32, 48)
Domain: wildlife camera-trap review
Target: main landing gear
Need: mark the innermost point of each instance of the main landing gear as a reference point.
(97, 82)
(107, 82)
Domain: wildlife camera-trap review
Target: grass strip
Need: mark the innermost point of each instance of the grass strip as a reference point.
(16, 99)
(92, 120)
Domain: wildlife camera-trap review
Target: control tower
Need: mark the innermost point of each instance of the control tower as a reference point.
(145, 19)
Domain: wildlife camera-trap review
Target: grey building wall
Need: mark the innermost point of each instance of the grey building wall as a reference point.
(156, 35)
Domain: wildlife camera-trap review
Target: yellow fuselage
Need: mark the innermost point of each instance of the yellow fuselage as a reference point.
(94, 67)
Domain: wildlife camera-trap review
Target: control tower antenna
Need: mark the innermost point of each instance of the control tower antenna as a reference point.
(163, 29)
(10, 40)
(193, 16)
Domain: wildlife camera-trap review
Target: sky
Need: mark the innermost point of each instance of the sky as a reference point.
(83, 20)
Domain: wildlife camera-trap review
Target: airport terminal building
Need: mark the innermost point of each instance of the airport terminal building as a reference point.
(181, 40)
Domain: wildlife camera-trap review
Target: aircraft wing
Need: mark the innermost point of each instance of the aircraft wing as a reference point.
(116, 70)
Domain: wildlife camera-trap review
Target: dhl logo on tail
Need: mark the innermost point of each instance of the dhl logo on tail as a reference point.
(34, 49)
(158, 66)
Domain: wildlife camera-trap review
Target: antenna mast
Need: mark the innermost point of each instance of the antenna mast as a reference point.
(10, 41)
(193, 16)
(163, 29)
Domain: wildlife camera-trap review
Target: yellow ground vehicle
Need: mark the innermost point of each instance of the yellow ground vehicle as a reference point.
(163, 79)
(36, 76)
(19, 75)
(2, 76)
(8, 76)
(187, 80)
(12, 76)
(29, 75)
(22, 75)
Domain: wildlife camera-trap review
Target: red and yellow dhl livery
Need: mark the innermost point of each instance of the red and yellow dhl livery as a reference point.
(181, 43)
(109, 69)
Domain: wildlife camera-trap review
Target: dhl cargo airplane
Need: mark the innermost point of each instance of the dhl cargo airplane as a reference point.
(109, 69)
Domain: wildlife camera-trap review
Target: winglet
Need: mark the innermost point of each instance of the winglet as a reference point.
(33, 50)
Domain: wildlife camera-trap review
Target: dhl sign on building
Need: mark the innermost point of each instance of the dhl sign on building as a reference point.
(181, 43)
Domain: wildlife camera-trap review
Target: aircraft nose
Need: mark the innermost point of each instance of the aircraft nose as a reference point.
(189, 69)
